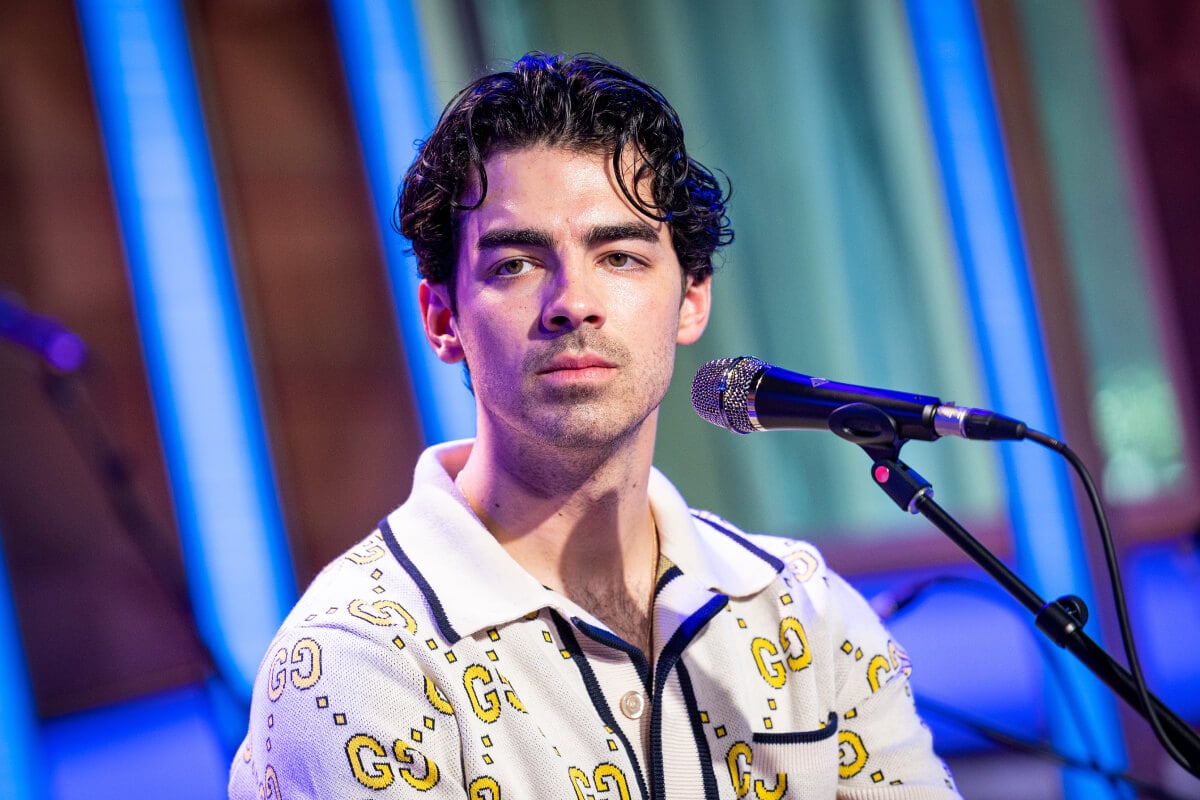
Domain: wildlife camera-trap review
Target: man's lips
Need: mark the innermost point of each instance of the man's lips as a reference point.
(576, 364)
(582, 355)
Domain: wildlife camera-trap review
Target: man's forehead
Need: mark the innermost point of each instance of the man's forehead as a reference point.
(541, 151)
(517, 209)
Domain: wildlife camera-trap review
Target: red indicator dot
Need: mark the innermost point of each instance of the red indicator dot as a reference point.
(882, 474)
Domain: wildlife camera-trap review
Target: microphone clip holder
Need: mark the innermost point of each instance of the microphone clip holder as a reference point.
(875, 432)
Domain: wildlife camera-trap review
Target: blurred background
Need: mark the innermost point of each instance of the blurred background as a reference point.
(212, 380)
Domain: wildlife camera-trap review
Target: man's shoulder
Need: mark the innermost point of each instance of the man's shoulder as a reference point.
(356, 563)
(360, 582)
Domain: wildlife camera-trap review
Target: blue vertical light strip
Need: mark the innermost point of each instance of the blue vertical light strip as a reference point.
(982, 210)
(19, 730)
(188, 314)
(381, 53)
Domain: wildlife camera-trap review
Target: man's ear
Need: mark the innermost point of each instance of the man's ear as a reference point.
(693, 313)
(440, 327)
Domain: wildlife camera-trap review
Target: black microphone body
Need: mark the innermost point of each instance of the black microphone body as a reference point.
(746, 395)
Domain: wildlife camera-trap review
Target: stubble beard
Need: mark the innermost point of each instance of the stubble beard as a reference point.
(588, 417)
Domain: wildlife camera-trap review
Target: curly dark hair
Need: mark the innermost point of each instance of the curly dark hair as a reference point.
(579, 102)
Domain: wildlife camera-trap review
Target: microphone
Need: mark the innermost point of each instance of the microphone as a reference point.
(57, 346)
(745, 395)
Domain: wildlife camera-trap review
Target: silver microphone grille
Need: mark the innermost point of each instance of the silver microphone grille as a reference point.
(721, 392)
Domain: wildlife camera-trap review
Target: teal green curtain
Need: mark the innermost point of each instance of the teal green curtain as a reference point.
(842, 266)
(1134, 406)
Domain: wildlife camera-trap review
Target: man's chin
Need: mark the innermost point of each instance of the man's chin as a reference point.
(594, 428)
(575, 393)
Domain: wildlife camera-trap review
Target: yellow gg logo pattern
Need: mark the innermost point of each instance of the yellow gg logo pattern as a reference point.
(375, 768)
(485, 787)
(482, 692)
(301, 667)
(793, 645)
(383, 613)
(881, 666)
(371, 549)
(607, 782)
(738, 759)
(375, 691)
(852, 754)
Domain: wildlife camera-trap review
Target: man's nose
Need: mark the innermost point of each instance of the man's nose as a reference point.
(575, 299)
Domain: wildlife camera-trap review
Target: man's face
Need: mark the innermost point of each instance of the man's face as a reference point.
(569, 302)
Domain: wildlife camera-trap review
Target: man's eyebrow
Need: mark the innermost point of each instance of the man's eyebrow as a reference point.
(533, 237)
(637, 231)
(509, 237)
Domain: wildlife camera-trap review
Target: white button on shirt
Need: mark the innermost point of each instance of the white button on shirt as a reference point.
(633, 704)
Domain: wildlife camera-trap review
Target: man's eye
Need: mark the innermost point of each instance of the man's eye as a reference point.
(620, 260)
(512, 267)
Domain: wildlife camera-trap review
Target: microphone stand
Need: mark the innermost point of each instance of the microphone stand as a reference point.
(1062, 620)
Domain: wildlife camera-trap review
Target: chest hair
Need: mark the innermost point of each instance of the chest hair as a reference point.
(625, 615)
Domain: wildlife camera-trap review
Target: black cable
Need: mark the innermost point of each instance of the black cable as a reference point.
(68, 396)
(1114, 572)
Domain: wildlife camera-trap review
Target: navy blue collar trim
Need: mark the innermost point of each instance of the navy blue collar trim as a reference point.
(610, 639)
(435, 605)
(671, 574)
(706, 761)
(571, 645)
(671, 654)
(717, 525)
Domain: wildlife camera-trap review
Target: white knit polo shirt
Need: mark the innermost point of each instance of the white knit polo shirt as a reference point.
(425, 662)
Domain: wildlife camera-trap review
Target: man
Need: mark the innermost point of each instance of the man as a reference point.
(544, 617)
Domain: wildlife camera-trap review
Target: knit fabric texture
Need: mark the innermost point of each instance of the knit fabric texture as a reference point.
(425, 662)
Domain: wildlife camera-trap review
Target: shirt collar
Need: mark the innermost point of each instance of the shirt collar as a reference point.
(707, 549)
(472, 583)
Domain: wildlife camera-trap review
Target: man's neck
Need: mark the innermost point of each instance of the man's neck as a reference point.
(577, 520)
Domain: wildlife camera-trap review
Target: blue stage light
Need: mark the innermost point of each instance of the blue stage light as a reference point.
(19, 734)
(190, 322)
(381, 53)
(983, 215)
